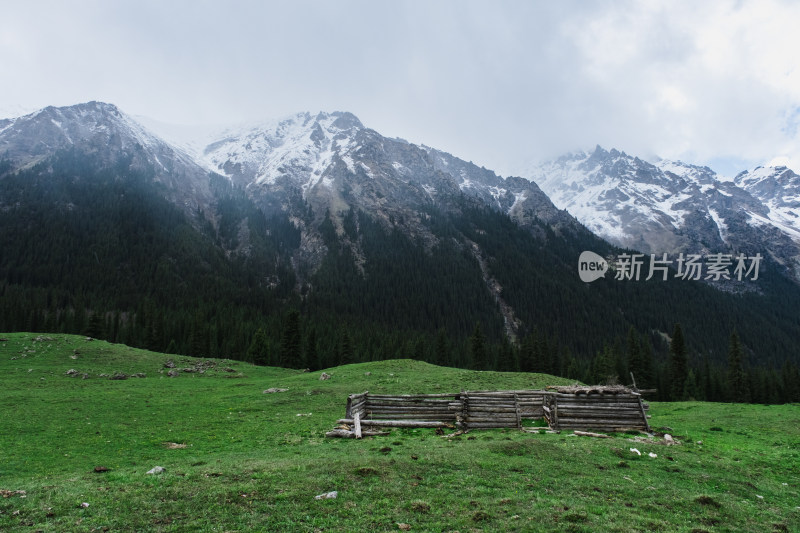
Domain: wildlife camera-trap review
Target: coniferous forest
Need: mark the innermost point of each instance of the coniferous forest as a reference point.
(99, 251)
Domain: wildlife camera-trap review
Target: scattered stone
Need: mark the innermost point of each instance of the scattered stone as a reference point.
(637, 452)
(139, 375)
(84, 505)
(103, 375)
(367, 373)
(169, 364)
(332, 495)
(402, 526)
(668, 439)
(324, 376)
(174, 445)
(303, 414)
(652, 455)
(156, 470)
(84, 376)
(71, 373)
(42, 338)
(173, 373)
(700, 442)
(100, 469)
(89, 339)
(9, 493)
(119, 376)
(273, 390)
(73, 356)
(759, 496)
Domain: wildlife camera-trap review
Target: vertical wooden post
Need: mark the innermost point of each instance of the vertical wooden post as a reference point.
(644, 415)
(516, 408)
(357, 423)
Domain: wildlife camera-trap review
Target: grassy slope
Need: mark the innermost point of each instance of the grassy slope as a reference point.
(252, 464)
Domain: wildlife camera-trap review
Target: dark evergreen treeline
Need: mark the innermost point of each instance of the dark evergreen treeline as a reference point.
(97, 250)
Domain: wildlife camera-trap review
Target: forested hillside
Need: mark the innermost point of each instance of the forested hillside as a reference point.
(97, 250)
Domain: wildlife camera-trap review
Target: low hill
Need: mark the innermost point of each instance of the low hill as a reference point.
(238, 459)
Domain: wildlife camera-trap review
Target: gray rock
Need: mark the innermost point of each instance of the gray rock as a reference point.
(157, 470)
(324, 376)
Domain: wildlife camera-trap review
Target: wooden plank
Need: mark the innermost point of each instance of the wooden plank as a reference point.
(416, 408)
(401, 396)
(357, 423)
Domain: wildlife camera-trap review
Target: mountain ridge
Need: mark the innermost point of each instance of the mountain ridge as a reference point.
(378, 243)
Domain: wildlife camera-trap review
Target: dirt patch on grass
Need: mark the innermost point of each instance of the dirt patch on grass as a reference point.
(708, 500)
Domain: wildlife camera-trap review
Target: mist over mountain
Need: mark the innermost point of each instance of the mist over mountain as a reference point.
(373, 247)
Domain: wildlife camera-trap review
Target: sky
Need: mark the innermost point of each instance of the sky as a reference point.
(500, 83)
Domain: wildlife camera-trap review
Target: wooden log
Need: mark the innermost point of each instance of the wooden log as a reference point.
(409, 416)
(345, 434)
(400, 423)
(566, 419)
(488, 425)
(409, 409)
(579, 413)
(510, 420)
(357, 423)
(430, 403)
(400, 396)
(590, 434)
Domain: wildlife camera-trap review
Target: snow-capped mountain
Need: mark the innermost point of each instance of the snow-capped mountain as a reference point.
(672, 207)
(332, 162)
(112, 137)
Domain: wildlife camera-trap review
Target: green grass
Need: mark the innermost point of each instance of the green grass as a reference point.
(252, 464)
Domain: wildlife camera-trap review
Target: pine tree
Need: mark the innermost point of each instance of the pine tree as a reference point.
(95, 327)
(604, 367)
(441, 354)
(738, 390)
(477, 348)
(291, 355)
(258, 353)
(506, 360)
(634, 356)
(679, 364)
(345, 355)
(311, 350)
(690, 389)
(790, 375)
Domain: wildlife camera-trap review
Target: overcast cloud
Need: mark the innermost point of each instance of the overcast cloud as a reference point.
(498, 83)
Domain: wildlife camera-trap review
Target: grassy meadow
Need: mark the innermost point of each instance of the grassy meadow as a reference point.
(238, 459)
